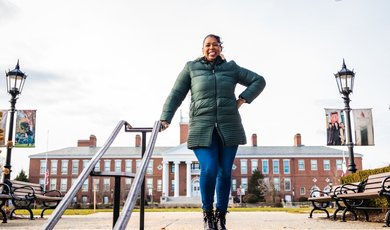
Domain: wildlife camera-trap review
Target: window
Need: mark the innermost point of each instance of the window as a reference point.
(173, 185)
(128, 166)
(75, 167)
(42, 182)
(244, 166)
(234, 185)
(339, 164)
(53, 184)
(314, 165)
(73, 180)
(97, 167)
(266, 182)
(159, 185)
(326, 165)
(195, 168)
(106, 184)
(84, 188)
(138, 163)
(42, 167)
(105, 200)
(287, 184)
(149, 183)
(277, 184)
(85, 163)
(302, 191)
(118, 165)
(275, 166)
(149, 170)
(264, 167)
(64, 167)
(128, 183)
(254, 165)
(64, 185)
(84, 199)
(244, 183)
(172, 167)
(301, 165)
(96, 185)
(286, 166)
(53, 169)
(107, 165)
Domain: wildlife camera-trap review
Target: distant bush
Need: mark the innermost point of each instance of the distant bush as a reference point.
(251, 198)
(302, 199)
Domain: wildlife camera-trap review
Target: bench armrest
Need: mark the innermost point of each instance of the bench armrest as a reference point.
(27, 191)
(320, 193)
(4, 189)
(386, 184)
(350, 188)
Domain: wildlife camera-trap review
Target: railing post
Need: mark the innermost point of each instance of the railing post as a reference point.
(117, 197)
(142, 193)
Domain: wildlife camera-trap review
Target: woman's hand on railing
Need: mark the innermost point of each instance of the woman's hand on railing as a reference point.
(164, 125)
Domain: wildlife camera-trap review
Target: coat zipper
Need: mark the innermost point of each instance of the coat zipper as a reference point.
(215, 88)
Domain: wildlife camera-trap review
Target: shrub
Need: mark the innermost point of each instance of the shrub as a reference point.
(251, 198)
(302, 199)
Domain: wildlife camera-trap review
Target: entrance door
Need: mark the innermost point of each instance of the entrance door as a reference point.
(195, 187)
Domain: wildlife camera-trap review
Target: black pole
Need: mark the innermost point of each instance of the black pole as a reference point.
(117, 195)
(7, 166)
(142, 205)
(351, 165)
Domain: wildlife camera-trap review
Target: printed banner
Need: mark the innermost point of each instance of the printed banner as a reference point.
(25, 129)
(364, 128)
(335, 127)
(3, 124)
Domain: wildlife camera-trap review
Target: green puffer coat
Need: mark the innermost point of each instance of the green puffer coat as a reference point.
(213, 102)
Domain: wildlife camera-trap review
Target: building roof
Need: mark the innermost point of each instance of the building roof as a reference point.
(182, 150)
(88, 152)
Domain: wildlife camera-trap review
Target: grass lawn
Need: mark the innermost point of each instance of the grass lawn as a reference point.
(70, 211)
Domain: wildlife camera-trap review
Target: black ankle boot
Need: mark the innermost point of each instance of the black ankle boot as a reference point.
(220, 220)
(209, 220)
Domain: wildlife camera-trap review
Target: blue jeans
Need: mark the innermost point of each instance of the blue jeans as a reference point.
(216, 164)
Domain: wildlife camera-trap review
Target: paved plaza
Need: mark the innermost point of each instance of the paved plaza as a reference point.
(192, 220)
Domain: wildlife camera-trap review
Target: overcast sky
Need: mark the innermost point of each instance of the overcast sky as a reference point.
(92, 63)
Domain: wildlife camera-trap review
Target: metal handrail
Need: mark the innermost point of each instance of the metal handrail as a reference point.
(65, 202)
(136, 185)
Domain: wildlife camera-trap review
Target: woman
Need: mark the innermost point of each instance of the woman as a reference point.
(215, 128)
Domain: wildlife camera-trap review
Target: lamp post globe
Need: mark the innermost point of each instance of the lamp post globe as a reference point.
(345, 79)
(15, 81)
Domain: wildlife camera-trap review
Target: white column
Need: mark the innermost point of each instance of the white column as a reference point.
(177, 176)
(188, 178)
(165, 179)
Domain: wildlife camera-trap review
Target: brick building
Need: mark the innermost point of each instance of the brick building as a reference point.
(291, 170)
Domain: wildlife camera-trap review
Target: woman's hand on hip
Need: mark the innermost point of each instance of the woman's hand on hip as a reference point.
(240, 101)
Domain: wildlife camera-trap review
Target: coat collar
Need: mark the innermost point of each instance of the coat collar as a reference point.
(217, 61)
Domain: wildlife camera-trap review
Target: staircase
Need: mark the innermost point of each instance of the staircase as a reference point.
(181, 201)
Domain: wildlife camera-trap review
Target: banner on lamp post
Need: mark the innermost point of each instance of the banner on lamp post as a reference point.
(335, 127)
(3, 124)
(25, 129)
(364, 128)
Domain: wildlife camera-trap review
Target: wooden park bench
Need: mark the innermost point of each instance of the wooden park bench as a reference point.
(376, 186)
(320, 200)
(24, 194)
(5, 195)
(324, 199)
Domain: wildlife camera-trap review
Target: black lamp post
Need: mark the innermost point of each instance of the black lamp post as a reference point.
(344, 79)
(15, 82)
